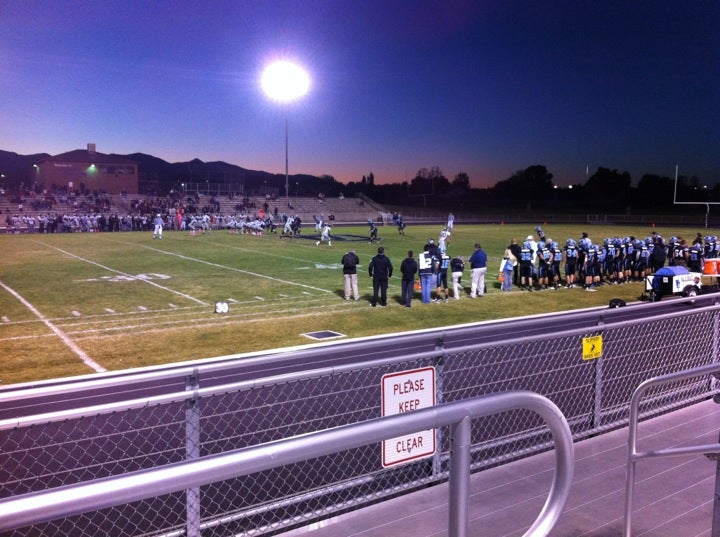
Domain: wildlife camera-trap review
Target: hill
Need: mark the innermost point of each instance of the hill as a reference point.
(159, 175)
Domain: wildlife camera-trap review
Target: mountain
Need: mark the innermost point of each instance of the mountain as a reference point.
(159, 175)
(16, 169)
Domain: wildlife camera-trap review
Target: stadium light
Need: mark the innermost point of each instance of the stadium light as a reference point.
(284, 82)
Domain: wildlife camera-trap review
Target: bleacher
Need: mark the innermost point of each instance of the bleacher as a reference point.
(346, 211)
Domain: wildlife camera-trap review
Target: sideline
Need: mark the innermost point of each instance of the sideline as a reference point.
(65, 339)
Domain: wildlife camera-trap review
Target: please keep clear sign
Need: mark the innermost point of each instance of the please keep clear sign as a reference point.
(404, 392)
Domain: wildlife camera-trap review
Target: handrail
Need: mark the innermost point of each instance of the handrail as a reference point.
(71, 500)
(635, 456)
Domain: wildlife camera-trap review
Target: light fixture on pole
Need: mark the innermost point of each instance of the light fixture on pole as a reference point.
(284, 81)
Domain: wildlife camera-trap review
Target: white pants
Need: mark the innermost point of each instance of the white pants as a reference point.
(456, 284)
(351, 286)
(477, 287)
(158, 231)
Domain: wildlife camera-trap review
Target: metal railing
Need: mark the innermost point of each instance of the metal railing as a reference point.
(217, 406)
(635, 456)
(84, 497)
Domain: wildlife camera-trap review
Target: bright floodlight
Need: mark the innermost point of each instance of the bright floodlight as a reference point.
(284, 81)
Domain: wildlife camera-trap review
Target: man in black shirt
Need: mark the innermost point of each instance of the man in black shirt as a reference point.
(408, 268)
(350, 262)
(380, 270)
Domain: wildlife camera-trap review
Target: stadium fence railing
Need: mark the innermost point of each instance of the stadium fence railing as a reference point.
(589, 370)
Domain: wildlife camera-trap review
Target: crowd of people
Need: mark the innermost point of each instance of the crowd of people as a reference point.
(427, 274)
(539, 264)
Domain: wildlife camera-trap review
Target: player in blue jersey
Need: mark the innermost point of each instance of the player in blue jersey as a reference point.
(373, 231)
(441, 278)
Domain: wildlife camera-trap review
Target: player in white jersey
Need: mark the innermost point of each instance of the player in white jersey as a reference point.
(205, 223)
(158, 222)
(450, 222)
(325, 236)
(444, 239)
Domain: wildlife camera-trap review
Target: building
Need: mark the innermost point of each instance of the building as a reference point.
(86, 169)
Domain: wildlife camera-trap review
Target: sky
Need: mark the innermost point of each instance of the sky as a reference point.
(482, 87)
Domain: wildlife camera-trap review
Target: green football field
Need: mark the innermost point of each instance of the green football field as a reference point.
(78, 303)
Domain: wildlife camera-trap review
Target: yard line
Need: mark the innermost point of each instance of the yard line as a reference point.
(217, 265)
(259, 252)
(170, 325)
(63, 337)
(125, 274)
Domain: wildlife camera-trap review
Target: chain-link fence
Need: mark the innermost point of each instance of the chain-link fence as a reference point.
(591, 389)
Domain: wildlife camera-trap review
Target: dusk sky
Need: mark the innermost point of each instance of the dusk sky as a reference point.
(485, 87)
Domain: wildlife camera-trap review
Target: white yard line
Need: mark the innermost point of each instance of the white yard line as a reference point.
(197, 300)
(217, 265)
(148, 326)
(63, 337)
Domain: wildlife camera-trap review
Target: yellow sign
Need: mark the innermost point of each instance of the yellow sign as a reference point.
(592, 347)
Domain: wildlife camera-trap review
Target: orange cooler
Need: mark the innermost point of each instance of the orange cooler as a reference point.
(711, 266)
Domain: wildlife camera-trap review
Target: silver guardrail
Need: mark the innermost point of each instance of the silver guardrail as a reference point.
(635, 456)
(91, 496)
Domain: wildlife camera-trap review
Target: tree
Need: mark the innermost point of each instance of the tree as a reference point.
(607, 184)
(654, 191)
(461, 182)
(529, 184)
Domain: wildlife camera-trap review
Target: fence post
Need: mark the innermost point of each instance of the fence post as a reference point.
(192, 452)
(439, 363)
(713, 380)
(459, 478)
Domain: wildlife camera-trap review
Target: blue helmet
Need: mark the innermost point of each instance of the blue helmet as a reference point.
(571, 242)
(527, 245)
(538, 229)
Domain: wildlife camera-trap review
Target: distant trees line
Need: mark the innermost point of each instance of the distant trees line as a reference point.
(532, 189)
(529, 190)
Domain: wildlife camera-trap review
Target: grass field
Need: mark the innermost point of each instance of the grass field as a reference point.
(78, 303)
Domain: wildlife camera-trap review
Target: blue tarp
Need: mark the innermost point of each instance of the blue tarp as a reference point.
(672, 271)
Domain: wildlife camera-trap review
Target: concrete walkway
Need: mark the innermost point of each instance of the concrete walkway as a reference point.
(673, 498)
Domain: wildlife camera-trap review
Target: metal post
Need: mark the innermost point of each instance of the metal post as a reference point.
(459, 478)
(597, 412)
(716, 498)
(192, 452)
(287, 184)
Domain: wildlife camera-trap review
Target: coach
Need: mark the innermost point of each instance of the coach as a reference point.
(478, 268)
(380, 270)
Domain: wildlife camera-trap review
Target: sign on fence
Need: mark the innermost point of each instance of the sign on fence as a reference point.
(592, 347)
(404, 392)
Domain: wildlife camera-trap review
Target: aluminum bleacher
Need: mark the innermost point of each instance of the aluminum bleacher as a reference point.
(673, 498)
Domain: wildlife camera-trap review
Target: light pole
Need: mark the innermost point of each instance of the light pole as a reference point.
(284, 81)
